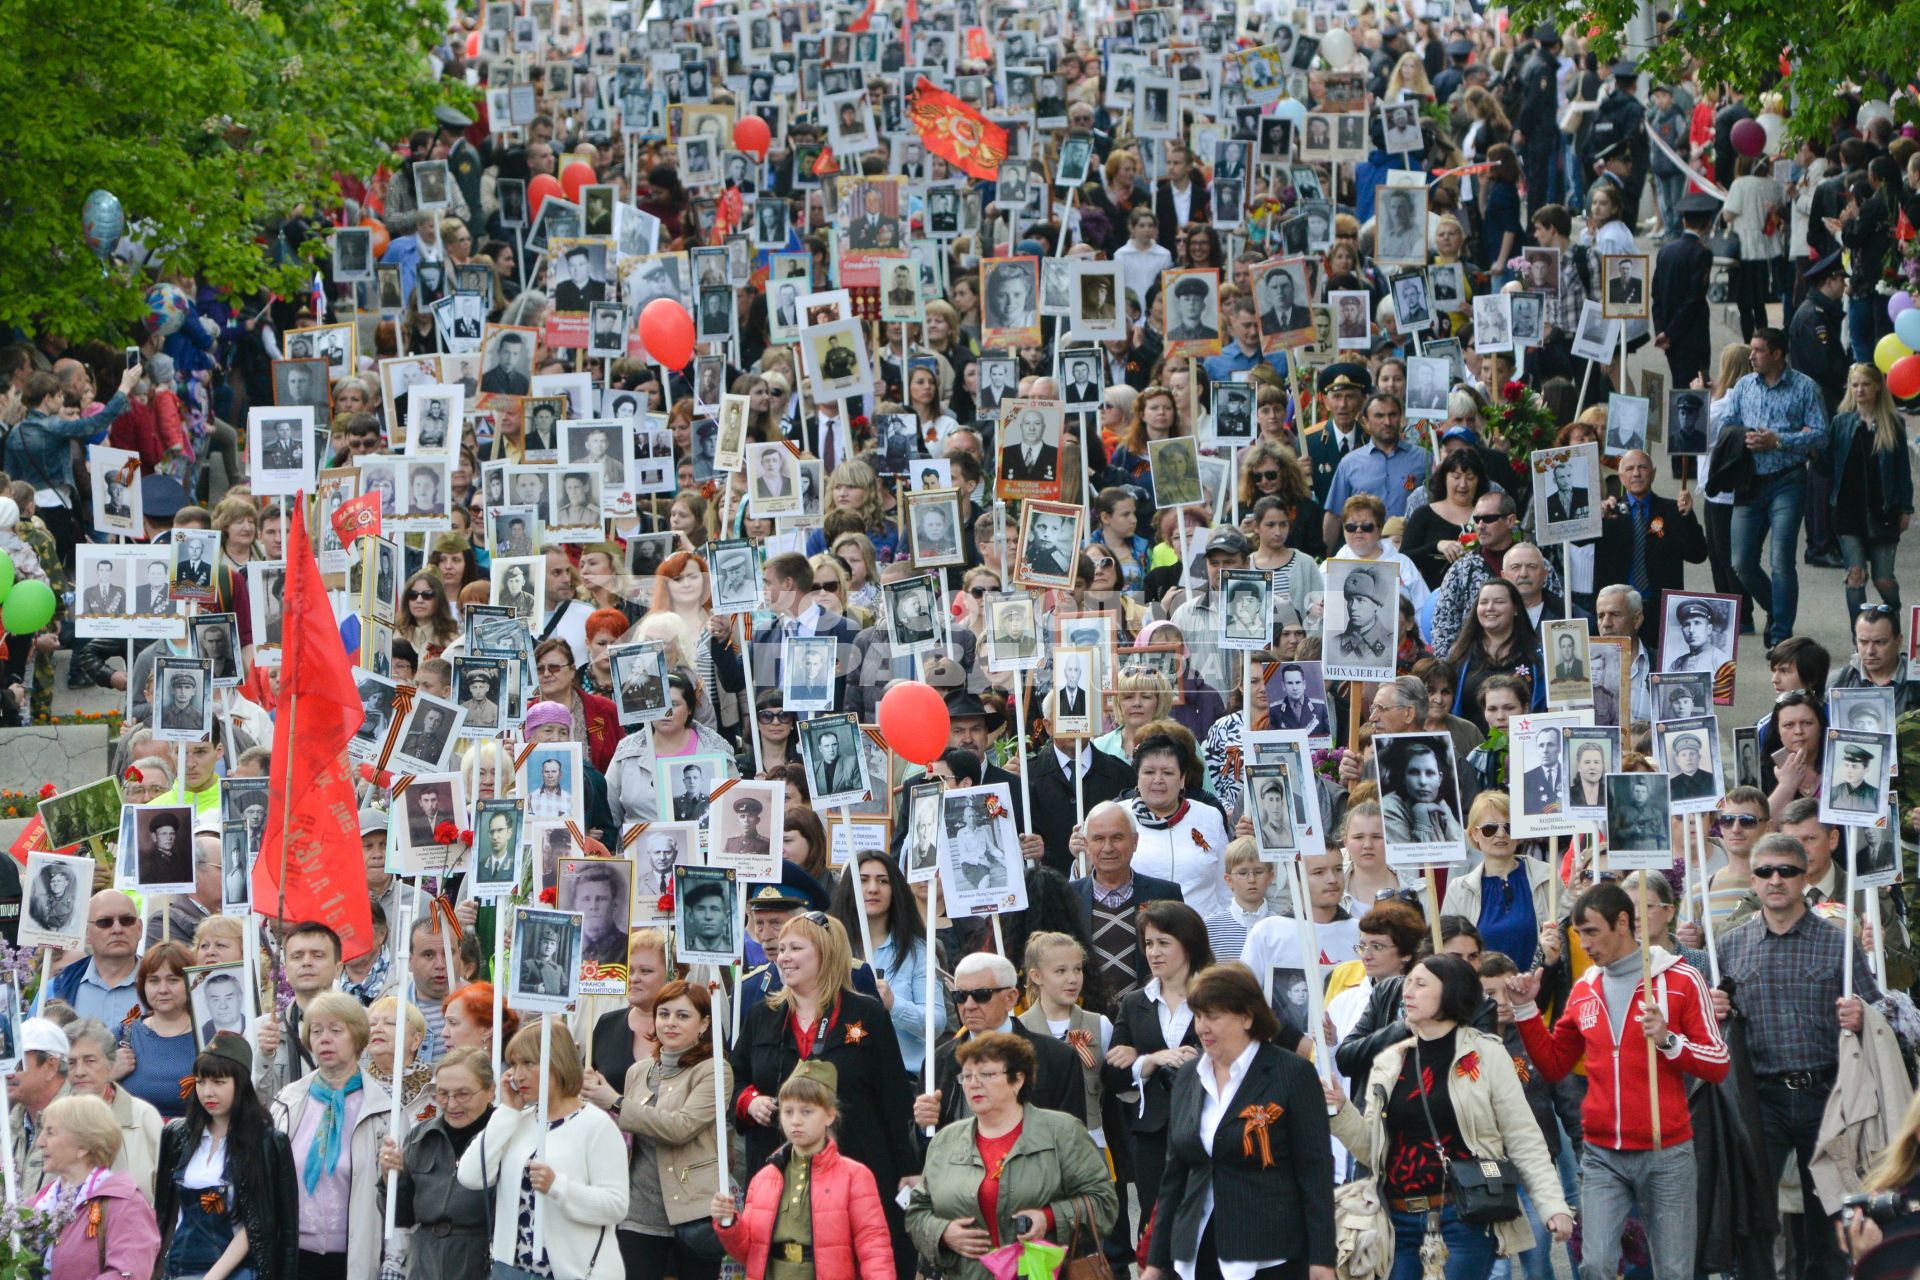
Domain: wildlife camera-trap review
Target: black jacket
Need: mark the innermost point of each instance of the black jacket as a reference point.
(1135, 1024)
(1197, 207)
(876, 1096)
(271, 1213)
(1381, 1026)
(1051, 787)
(1058, 1084)
(1680, 276)
(1816, 345)
(1272, 1188)
(1678, 543)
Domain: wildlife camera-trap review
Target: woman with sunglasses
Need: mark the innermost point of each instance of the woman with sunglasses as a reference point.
(816, 1014)
(778, 744)
(830, 579)
(1506, 896)
(429, 625)
(1363, 520)
(1743, 818)
(595, 720)
(1106, 592)
(1271, 469)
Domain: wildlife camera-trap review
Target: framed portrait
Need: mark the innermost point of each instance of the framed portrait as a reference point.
(1493, 323)
(545, 960)
(933, 524)
(352, 254)
(686, 785)
(1591, 753)
(1050, 538)
(808, 672)
(1360, 620)
(1096, 315)
(1529, 311)
(1352, 319)
(1429, 381)
(1297, 699)
(428, 734)
(1412, 308)
(1625, 293)
(79, 814)
(1010, 288)
(1699, 632)
(639, 681)
(981, 871)
(498, 827)
(429, 801)
(1400, 126)
(1595, 337)
(913, 614)
(1233, 412)
(182, 699)
(1028, 462)
(1746, 755)
(217, 994)
(163, 847)
(117, 504)
(1538, 772)
(775, 469)
(657, 850)
(1246, 618)
(1542, 272)
(736, 575)
(53, 912)
(836, 767)
(900, 294)
(1854, 777)
(744, 826)
(600, 890)
(835, 359)
(1626, 424)
(1638, 822)
(1269, 803)
(551, 780)
(1569, 672)
(215, 637)
(1567, 485)
(1689, 750)
(1013, 634)
(122, 592)
(192, 568)
(333, 343)
(1193, 311)
(1420, 799)
(1283, 292)
(709, 919)
(1174, 468)
(378, 697)
(1400, 229)
(1687, 423)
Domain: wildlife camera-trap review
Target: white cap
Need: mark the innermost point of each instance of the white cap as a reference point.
(44, 1036)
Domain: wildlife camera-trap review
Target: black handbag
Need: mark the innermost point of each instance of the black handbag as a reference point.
(1482, 1191)
(1724, 244)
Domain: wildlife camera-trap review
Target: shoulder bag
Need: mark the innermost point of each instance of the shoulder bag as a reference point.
(1094, 1266)
(506, 1270)
(1482, 1191)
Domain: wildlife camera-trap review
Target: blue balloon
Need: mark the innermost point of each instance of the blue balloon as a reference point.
(1906, 326)
(103, 221)
(1293, 110)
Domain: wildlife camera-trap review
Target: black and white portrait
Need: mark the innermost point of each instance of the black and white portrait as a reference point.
(1626, 424)
(1419, 798)
(219, 1001)
(1853, 779)
(1049, 542)
(163, 847)
(182, 699)
(215, 639)
(1412, 311)
(830, 748)
(639, 681)
(1400, 229)
(1359, 620)
(1493, 323)
(736, 575)
(57, 889)
(912, 623)
(1400, 125)
(1270, 805)
(1624, 293)
(428, 734)
(1638, 822)
(708, 920)
(933, 520)
(497, 826)
(1246, 618)
(545, 960)
(1687, 423)
(980, 862)
(1428, 383)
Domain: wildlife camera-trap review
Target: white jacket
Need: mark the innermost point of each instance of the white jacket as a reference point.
(366, 1222)
(589, 1195)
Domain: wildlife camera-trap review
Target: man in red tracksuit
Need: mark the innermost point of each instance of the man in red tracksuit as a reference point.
(1622, 1166)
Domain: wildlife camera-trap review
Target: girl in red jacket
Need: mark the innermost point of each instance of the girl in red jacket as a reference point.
(842, 1233)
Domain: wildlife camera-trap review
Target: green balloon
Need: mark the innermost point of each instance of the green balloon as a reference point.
(6, 576)
(28, 608)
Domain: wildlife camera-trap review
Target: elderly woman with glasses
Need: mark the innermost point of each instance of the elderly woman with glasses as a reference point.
(1009, 1171)
(446, 1222)
(815, 1013)
(596, 720)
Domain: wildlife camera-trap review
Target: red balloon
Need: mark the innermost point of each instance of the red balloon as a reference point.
(473, 43)
(666, 330)
(575, 176)
(542, 186)
(913, 719)
(1903, 380)
(752, 135)
(380, 236)
(1749, 137)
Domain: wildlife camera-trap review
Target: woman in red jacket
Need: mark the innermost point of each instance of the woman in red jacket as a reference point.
(844, 1229)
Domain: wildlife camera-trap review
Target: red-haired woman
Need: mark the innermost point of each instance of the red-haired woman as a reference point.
(681, 587)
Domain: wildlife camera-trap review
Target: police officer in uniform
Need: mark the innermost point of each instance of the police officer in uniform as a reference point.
(1536, 129)
(1816, 346)
(1343, 387)
(1679, 307)
(1620, 122)
(463, 161)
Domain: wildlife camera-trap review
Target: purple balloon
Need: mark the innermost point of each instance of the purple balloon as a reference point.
(1902, 301)
(1749, 137)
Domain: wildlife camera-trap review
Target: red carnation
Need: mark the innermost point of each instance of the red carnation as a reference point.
(1512, 392)
(665, 905)
(133, 774)
(466, 835)
(445, 833)
(550, 895)
(48, 791)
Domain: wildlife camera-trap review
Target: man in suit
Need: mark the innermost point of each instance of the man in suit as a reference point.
(1280, 312)
(195, 569)
(1542, 786)
(499, 855)
(1180, 197)
(1050, 780)
(1624, 290)
(1071, 696)
(786, 307)
(507, 375)
(1568, 501)
(985, 989)
(813, 682)
(1665, 532)
(772, 481)
(579, 288)
(997, 385)
(1681, 275)
(600, 896)
(787, 580)
(1567, 665)
(153, 597)
(1190, 309)
(836, 771)
(1082, 386)
(1852, 791)
(1026, 457)
(1111, 836)
(106, 597)
(1295, 710)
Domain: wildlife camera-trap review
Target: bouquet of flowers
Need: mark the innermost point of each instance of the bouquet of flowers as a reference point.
(1518, 421)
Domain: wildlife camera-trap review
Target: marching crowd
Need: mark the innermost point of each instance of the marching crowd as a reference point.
(1187, 1053)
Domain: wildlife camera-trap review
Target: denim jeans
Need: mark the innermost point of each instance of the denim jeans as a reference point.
(1469, 1249)
(1672, 189)
(1537, 1262)
(1877, 559)
(1860, 327)
(1662, 1184)
(1772, 512)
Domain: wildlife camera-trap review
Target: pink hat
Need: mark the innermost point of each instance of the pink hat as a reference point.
(541, 713)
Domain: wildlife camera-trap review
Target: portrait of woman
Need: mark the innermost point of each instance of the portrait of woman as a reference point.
(1421, 797)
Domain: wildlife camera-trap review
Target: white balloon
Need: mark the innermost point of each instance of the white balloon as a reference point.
(1871, 110)
(1776, 129)
(1337, 48)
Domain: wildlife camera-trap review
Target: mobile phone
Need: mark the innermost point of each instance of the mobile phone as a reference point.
(133, 357)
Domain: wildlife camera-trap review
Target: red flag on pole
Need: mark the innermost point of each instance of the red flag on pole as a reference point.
(310, 866)
(358, 518)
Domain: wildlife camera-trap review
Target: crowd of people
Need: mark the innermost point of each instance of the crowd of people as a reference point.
(1340, 858)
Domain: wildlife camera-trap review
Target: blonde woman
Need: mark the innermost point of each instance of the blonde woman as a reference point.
(1141, 695)
(863, 565)
(1409, 80)
(1506, 895)
(1872, 487)
(416, 1095)
(855, 487)
(237, 519)
(831, 577)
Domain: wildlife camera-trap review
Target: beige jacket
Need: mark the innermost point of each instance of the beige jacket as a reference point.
(1870, 1095)
(679, 1122)
(1494, 1119)
(366, 1220)
(139, 1140)
(1463, 894)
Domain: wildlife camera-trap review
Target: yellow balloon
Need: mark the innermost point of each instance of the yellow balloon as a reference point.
(1888, 351)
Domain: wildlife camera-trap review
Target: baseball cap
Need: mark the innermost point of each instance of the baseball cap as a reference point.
(43, 1035)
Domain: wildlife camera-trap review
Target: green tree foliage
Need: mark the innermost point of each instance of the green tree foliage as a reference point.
(1828, 44)
(211, 120)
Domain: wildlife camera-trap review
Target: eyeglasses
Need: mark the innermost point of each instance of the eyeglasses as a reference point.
(1780, 871)
(1369, 527)
(1265, 475)
(1736, 820)
(815, 917)
(1398, 895)
(460, 1096)
(554, 668)
(770, 716)
(981, 1077)
(1488, 830)
(1374, 948)
(979, 995)
(1480, 519)
(1876, 610)
(978, 592)
(120, 922)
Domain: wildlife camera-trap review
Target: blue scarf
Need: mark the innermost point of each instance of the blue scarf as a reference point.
(323, 1157)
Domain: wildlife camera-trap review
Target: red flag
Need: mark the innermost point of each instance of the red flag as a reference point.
(956, 132)
(727, 212)
(359, 518)
(865, 20)
(313, 827)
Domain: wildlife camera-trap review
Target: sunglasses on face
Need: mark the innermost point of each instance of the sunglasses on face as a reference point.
(1736, 820)
(1265, 475)
(1487, 519)
(776, 717)
(116, 922)
(1360, 528)
(978, 592)
(554, 668)
(1782, 871)
(978, 995)
(1488, 830)
(419, 595)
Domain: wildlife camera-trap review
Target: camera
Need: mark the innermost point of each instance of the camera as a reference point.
(1023, 1223)
(1884, 1207)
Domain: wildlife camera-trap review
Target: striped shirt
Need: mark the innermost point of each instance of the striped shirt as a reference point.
(1792, 408)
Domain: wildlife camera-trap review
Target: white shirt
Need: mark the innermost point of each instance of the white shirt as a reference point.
(1174, 1024)
(1274, 943)
(1182, 203)
(1212, 1112)
(1140, 268)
